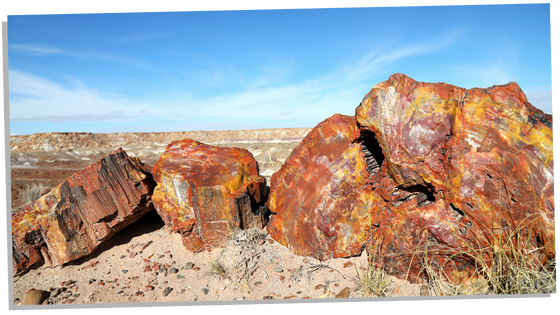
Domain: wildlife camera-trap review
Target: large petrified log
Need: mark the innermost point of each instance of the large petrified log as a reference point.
(320, 199)
(77, 216)
(206, 193)
(453, 174)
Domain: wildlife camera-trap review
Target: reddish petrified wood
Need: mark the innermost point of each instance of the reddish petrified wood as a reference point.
(320, 198)
(445, 171)
(77, 216)
(205, 193)
(481, 158)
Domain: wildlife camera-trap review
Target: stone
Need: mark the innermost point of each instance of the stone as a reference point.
(81, 213)
(344, 293)
(320, 198)
(464, 171)
(424, 174)
(208, 193)
(35, 297)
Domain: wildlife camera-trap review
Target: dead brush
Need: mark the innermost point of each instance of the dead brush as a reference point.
(216, 268)
(503, 267)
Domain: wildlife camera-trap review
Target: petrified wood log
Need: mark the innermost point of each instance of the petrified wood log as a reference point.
(480, 164)
(320, 198)
(446, 174)
(206, 193)
(77, 216)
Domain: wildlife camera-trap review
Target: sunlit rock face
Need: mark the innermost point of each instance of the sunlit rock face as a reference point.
(206, 193)
(81, 213)
(482, 157)
(320, 199)
(445, 172)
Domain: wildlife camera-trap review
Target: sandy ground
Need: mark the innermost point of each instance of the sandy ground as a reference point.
(148, 263)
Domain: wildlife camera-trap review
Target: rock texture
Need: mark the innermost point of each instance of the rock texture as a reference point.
(205, 193)
(77, 216)
(449, 171)
(320, 198)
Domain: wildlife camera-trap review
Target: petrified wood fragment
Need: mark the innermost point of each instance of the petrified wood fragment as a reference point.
(445, 174)
(320, 199)
(205, 193)
(479, 163)
(77, 216)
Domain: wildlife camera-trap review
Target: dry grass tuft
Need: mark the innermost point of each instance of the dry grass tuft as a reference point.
(373, 282)
(505, 267)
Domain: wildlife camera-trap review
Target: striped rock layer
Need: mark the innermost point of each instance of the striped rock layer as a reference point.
(206, 193)
(445, 172)
(77, 216)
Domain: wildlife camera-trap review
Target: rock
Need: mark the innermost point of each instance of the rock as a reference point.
(465, 170)
(344, 293)
(167, 290)
(81, 213)
(424, 174)
(189, 266)
(207, 193)
(35, 297)
(320, 198)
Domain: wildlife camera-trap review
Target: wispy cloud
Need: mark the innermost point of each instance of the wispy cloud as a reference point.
(38, 49)
(309, 101)
(35, 49)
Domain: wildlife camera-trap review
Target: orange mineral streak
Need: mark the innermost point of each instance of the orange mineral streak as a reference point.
(205, 193)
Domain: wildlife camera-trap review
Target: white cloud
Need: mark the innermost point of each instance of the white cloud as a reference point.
(35, 49)
(33, 98)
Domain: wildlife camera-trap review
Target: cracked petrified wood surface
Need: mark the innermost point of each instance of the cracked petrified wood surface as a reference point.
(446, 172)
(484, 157)
(320, 199)
(205, 193)
(78, 215)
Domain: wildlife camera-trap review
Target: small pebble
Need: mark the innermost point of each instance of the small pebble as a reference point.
(55, 292)
(261, 242)
(35, 297)
(180, 276)
(319, 287)
(348, 264)
(196, 268)
(123, 256)
(282, 278)
(173, 270)
(167, 290)
(149, 287)
(258, 283)
(278, 269)
(205, 291)
(344, 294)
(124, 271)
(268, 297)
(120, 292)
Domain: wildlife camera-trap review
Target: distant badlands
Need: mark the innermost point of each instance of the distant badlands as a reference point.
(64, 141)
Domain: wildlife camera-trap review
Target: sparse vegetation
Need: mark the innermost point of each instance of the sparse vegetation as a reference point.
(506, 267)
(373, 282)
(217, 268)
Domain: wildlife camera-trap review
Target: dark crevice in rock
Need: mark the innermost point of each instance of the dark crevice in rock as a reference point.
(372, 151)
(424, 194)
(459, 211)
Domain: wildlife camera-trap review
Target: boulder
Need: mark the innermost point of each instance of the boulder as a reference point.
(426, 173)
(207, 193)
(479, 164)
(77, 216)
(320, 199)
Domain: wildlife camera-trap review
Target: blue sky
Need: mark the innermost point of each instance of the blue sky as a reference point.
(219, 70)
